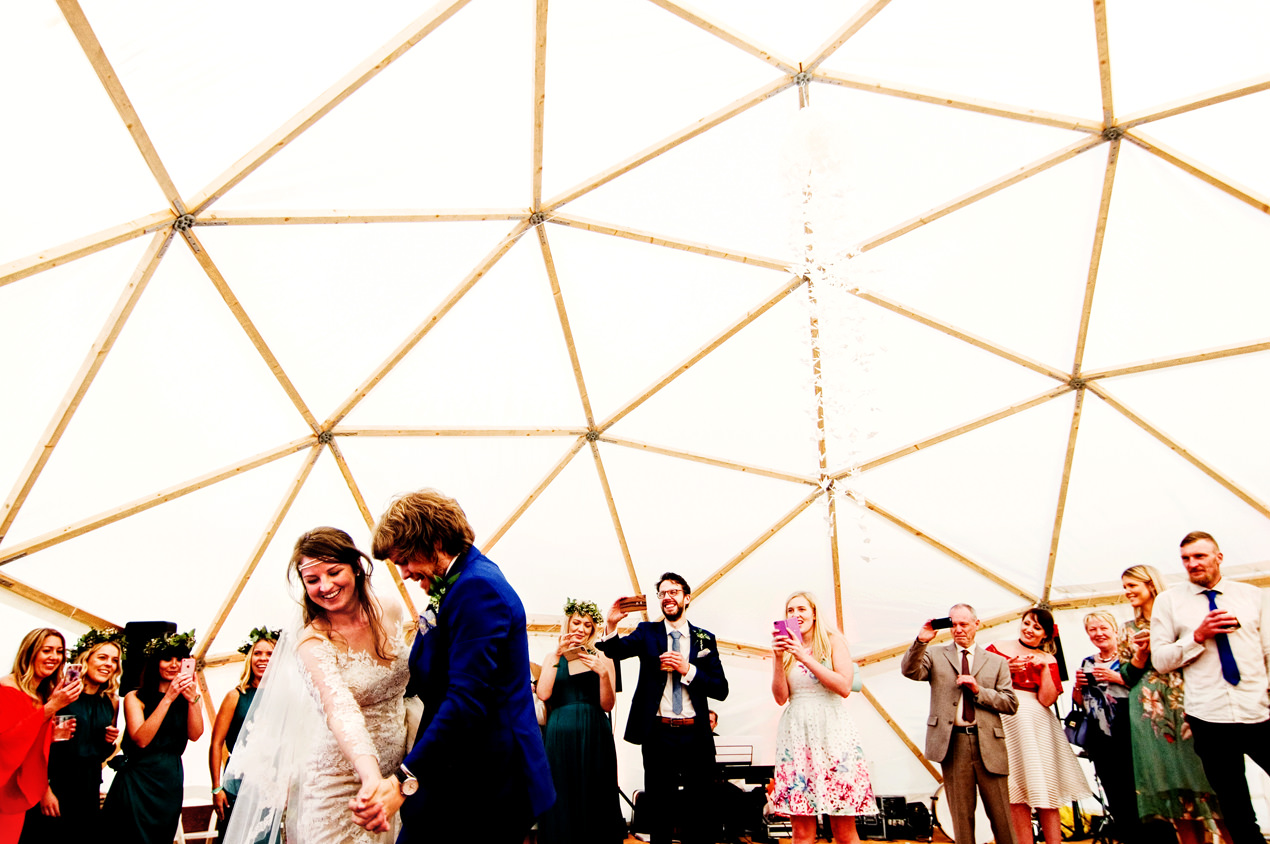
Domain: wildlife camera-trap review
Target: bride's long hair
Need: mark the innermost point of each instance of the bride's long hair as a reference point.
(332, 545)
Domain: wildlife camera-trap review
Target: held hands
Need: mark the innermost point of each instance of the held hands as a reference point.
(178, 687)
(787, 644)
(590, 661)
(674, 661)
(376, 801)
(1217, 621)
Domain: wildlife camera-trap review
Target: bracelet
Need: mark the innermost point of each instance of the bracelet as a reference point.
(197, 698)
(218, 789)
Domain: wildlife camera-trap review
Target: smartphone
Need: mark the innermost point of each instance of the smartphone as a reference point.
(1089, 679)
(788, 627)
(74, 671)
(944, 623)
(187, 667)
(573, 653)
(634, 603)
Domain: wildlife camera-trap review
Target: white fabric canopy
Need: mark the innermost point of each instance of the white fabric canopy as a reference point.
(558, 259)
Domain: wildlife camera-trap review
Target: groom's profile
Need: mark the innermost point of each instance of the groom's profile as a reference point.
(478, 767)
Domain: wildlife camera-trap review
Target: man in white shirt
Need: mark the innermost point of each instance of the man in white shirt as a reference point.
(1218, 632)
(679, 668)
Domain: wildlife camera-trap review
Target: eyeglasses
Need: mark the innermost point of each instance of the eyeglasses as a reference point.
(670, 593)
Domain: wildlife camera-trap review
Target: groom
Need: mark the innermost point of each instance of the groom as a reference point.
(478, 770)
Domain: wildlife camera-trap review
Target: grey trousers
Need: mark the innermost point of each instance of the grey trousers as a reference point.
(963, 774)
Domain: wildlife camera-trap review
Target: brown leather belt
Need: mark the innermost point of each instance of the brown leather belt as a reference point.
(678, 722)
(968, 730)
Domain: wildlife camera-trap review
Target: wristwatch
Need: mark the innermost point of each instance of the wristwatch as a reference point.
(408, 784)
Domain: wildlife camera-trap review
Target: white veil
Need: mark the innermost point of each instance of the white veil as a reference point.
(267, 765)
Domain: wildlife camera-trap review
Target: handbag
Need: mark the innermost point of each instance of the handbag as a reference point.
(1076, 725)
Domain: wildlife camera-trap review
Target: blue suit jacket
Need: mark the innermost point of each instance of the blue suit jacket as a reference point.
(479, 746)
(648, 642)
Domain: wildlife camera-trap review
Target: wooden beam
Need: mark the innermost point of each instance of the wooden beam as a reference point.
(329, 99)
(617, 520)
(427, 325)
(1208, 98)
(1247, 497)
(310, 217)
(1239, 192)
(60, 535)
(575, 222)
(949, 551)
(70, 611)
(119, 97)
(540, 99)
(710, 461)
(912, 448)
(994, 186)
(939, 98)
(719, 339)
(1095, 259)
(1104, 62)
(1182, 360)
(533, 496)
(1106, 599)
(396, 431)
(1061, 506)
(88, 370)
(82, 247)
(724, 114)
(965, 336)
(562, 313)
(757, 543)
(903, 736)
(249, 328)
(262, 545)
(727, 35)
(892, 651)
(853, 25)
(369, 519)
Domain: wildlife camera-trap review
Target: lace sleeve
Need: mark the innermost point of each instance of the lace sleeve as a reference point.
(322, 676)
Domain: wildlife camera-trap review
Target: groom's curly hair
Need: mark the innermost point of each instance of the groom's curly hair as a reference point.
(422, 522)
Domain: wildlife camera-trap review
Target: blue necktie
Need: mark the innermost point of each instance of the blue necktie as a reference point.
(1229, 669)
(676, 687)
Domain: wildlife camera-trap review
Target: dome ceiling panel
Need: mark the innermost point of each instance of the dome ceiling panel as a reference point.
(1235, 153)
(1184, 267)
(183, 393)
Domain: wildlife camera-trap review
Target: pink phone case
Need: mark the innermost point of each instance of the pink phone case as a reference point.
(187, 667)
(785, 627)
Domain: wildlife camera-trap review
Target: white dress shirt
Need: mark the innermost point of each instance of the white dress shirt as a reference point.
(1208, 696)
(667, 709)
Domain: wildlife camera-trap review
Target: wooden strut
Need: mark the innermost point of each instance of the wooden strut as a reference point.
(533, 495)
(557, 297)
(617, 521)
(1063, 486)
(1095, 260)
(82, 247)
(540, 99)
(69, 611)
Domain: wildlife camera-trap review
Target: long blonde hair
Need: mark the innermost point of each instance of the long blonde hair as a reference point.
(1154, 581)
(821, 645)
(110, 688)
(245, 680)
(24, 664)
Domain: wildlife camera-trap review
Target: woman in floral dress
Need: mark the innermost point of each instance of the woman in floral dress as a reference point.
(1168, 775)
(820, 768)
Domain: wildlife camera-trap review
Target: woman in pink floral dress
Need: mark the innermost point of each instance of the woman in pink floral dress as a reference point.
(820, 768)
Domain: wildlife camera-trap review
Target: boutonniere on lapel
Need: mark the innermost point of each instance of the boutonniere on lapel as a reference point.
(703, 639)
(437, 589)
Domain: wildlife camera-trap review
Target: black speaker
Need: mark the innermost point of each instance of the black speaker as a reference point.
(919, 825)
(870, 827)
(137, 634)
(894, 813)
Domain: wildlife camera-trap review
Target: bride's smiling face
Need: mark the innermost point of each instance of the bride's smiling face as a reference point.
(329, 585)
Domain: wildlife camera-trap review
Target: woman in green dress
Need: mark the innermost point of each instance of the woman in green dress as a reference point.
(577, 685)
(144, 803)
(231, 715)
(1168, 775)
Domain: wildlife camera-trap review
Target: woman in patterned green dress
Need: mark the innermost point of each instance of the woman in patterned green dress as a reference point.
(1168, 775)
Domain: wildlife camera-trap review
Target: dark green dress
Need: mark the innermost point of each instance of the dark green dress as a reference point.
(144, 803)
(75, 775)
(583, 764)
(1168, 775)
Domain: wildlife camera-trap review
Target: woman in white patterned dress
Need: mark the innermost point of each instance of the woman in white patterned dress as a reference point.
(346, 669)
(820, 768)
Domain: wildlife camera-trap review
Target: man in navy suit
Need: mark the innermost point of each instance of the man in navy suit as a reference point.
(478, 770)
(679, 668)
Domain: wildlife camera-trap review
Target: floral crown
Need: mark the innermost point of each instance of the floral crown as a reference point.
(171, 645)
(573, 606)
(99, 636)
(256, 635)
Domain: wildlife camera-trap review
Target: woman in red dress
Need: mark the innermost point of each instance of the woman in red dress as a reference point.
(29, 698)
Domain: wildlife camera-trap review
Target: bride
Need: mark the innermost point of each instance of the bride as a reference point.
(328, 723)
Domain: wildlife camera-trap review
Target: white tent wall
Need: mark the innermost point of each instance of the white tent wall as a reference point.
(577, 263)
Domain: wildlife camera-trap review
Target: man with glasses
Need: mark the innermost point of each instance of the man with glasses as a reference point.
(679, 668)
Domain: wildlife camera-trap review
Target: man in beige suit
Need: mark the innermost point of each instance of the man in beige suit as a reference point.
(969, 691)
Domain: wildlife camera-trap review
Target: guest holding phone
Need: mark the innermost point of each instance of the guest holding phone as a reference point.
(233, 712)
(579, 735)
(161, 717)
(31, 698)
(820, 768)
(1044, 773)
(1168, 776)
(70, 808)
